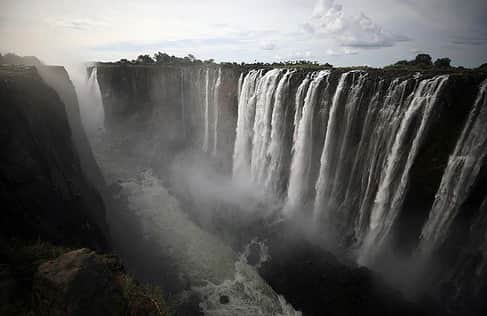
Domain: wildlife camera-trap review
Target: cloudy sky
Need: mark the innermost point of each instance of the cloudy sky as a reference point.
(342, 32)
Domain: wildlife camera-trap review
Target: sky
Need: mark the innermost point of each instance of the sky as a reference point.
(341, 32)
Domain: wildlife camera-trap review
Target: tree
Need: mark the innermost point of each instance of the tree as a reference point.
(402, 63)
(422, 60)
(144, 59)
(443, 62)
(162, 58)
(482, 67)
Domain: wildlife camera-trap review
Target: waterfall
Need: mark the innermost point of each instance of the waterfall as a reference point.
(207, 110)
(239, 85)
(183, 114)
(381, 124)
(305, 103)
(245, 119)
(324, 183)
(262, 125)
(276, 148)
(91, 106)
(298, 106)
(394, 179)
(216, 111)
(459, 176)
(347, 147)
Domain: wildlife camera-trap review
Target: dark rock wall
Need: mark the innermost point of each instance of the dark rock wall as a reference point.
(45, 193)
(58, 79)
(165, 106)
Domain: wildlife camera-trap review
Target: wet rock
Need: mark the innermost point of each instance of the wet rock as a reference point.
(77, 283)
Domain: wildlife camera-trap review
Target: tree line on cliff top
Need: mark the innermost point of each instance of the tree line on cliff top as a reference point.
(420, 62)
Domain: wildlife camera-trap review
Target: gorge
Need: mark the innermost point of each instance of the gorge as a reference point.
(256, 190)
(385, 168)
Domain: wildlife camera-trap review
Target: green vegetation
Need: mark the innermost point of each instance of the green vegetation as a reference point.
(423, 62)
(165, 59)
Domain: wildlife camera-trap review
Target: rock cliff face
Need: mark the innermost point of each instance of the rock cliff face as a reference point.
(58, 79)
(172, 106)
(45, 192)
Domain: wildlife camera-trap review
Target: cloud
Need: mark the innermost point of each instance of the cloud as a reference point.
(130, 46)
(469, 41)
(343, 51)
(77, 24)
(267, 46)
(329, 20)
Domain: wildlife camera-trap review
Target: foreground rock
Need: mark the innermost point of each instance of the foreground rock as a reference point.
(78, 283)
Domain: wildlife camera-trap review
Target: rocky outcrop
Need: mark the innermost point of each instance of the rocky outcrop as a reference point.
(82, 282)
(45, 193)
(77, 283)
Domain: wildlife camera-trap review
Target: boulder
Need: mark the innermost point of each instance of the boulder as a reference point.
(77, 283)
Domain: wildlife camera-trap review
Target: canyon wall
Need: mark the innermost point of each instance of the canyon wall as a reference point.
(46, 193)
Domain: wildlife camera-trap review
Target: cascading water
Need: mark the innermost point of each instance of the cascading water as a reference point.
(91, 105)
(207, 111)
(462, 170)
(265, 95)
(390, 194)
(276, 147)
(211, 110)
(299, 179)
(183, 105)
(371, 138)
(245, 119)
(381, 124)
(332, 159)
(239, 85)
(216, 111)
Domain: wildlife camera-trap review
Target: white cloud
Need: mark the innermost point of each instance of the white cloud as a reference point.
(77, 24)
(267, 46)
(341, 51)
(330, 20)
